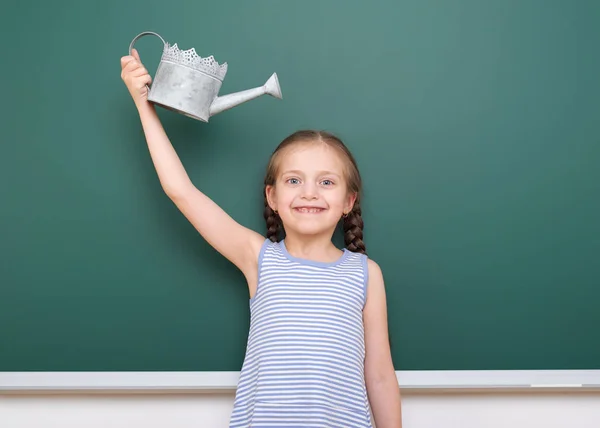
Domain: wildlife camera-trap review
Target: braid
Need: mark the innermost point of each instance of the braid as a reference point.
(353, 230)
(272, 222)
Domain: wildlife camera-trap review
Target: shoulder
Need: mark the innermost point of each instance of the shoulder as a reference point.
(270, 250)
(374, 282)
(374, 271)
(371, 270)
(266, 246)
(263, 253)
(372, 275)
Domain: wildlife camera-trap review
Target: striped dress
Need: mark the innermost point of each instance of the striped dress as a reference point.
(304, 363)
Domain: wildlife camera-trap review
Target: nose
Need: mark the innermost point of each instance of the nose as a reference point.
(309, 191)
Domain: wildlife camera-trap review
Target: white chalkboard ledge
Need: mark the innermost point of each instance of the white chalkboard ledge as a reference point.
(215, 382)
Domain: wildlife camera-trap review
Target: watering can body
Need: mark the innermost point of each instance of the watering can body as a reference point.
(189, 84)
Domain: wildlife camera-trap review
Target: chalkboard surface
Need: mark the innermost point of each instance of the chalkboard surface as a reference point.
(476, 126)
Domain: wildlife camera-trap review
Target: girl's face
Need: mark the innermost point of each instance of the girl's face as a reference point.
(310, 192)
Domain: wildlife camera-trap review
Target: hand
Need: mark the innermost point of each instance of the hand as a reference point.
(136, 77)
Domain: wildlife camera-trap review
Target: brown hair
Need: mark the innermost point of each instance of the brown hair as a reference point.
(353, 222)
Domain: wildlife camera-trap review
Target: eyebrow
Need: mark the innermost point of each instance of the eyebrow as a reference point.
(295, 171)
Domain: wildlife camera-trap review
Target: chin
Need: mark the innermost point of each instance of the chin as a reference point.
(312, 228)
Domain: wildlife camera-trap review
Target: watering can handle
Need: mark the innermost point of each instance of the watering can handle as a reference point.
(146, 33)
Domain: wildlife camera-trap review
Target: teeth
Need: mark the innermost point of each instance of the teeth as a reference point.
(309, 210)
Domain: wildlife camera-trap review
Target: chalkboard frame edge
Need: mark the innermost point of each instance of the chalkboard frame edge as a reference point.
(226, 381)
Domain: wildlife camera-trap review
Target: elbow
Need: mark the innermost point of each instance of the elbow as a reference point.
(176, 191)
(381, 374)
(172, 193)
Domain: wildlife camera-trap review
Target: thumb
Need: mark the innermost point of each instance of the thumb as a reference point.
(135, 54)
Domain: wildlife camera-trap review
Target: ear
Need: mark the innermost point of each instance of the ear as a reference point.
(270, 194)
(350, 201)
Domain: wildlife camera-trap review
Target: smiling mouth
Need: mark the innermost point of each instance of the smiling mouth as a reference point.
(309, 210)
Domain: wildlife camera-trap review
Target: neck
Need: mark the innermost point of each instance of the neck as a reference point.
(316, 247)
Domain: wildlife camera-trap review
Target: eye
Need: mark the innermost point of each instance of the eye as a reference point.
(292, 181)
(327, 182)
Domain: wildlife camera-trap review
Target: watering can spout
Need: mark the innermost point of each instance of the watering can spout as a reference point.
(271, 87)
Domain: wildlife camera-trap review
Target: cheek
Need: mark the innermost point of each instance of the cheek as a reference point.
(340, 198)
(335, 202)
(284, 198)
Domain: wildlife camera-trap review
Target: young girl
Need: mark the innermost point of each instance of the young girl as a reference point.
(317, 353)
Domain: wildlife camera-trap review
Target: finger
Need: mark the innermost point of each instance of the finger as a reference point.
(139, 72)
(127, 59)
(135, 54)
(132, 66)
(124, 61)
(129, 67)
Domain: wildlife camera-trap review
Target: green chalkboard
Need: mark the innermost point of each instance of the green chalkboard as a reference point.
(476, 126)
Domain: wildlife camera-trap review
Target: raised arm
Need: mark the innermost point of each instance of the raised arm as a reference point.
(237, 243)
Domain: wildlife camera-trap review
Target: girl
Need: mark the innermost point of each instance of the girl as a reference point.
(317, 353)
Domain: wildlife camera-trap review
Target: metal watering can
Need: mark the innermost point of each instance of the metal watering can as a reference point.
(189, 84)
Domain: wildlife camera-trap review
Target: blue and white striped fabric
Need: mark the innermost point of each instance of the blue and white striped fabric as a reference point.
(304, 364)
